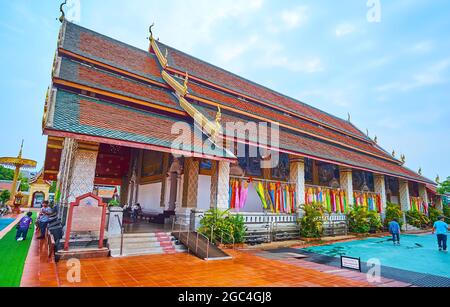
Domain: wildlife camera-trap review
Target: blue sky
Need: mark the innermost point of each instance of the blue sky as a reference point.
(392, 76)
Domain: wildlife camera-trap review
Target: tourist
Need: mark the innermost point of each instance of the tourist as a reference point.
(23, 226)
(394, 229)
(440, 228)
(44, 217)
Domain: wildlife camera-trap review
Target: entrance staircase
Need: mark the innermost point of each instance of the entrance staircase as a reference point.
(138, 244)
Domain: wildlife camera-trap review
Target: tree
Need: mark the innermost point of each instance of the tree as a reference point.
(53, 187)
(6, 173)
(24, 185)
(444, 187)
(4, 196)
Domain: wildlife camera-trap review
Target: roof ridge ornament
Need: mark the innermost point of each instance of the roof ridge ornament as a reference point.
(349, 119)
(438, 179)
(420, 171)
(151, 31)
(375, 139)
(186, 80)
(63, 14)
(403, 159)
(393, 153)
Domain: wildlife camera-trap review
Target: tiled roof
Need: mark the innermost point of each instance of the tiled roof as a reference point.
(100, 79)
(82, 115)
(112, 52)
(253, 108)
(301, 144)
(184, 62)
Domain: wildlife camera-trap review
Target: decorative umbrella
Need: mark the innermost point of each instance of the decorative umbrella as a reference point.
(17, 164)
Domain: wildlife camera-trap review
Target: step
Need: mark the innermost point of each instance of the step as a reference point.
(147, 251)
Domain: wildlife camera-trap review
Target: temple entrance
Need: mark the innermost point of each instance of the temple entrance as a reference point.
(38, 199)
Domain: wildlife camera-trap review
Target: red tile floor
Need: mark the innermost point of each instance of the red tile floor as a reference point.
(181, 270)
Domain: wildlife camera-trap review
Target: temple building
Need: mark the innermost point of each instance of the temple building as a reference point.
(114, 112)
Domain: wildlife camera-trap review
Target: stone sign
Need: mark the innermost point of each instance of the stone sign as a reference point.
(86, 215)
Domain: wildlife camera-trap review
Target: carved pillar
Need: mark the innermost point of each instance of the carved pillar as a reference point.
(404, 195)
(346, 177)
(380, 187)
(174, 177)
(423, 193)
(165, 169)
(190, 183)
(297, 176)
(82, 173)
(222, 180)
(214, 179)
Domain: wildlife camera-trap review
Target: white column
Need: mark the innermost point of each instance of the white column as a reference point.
(82, 172)
(346, 177)
(222, 197)
(423, 193)
(297, 175)
(404, 195)
(380, 188)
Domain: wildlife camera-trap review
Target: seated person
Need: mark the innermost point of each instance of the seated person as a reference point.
(44, 217)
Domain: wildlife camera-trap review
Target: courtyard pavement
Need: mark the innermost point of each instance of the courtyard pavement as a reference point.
(246, 269)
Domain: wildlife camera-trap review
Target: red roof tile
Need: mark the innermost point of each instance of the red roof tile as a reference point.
(208, 72)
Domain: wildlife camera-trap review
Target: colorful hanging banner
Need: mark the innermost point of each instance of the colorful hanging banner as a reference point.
(334, 200)
(371, 201)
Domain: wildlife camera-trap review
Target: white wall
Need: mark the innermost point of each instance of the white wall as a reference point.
(204, 192)
(253, 203)
(149, 197)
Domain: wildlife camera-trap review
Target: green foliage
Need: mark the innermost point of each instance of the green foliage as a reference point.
(446, 210)
(434, 214)
(24, 185)
(52, 187)
(393, 211)
(4, 196)
(6, 173)
(361, 220)
(444, 187)
(311, 224)
(222, 226)
(417, 219)
(114, 203)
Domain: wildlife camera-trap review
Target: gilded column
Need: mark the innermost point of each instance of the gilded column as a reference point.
(404, 195)
(297, 176)
(190, 183)
(380, 187)
(346, 176)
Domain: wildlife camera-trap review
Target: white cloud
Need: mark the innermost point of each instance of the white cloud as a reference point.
(422, 47)
(433, 75)
(288, 20)
(344, 29)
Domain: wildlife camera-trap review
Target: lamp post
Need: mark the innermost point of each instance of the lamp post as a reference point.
(17, 164)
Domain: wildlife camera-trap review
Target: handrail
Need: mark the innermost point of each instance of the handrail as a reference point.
(122, 230)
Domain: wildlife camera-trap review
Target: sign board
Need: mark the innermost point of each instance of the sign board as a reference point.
(351, 263)
(86, 215)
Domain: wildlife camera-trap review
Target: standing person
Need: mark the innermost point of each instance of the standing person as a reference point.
(440, 228)
(394, 229)
(23, 226)
(44, 217)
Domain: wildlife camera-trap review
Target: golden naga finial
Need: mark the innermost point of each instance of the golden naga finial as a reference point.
(420, 171)
(393, 153)
(403, 159)
(375, 139)
(63, 15)
(151, 31)
(349, 119)
(438, 180)
(218, 116)
(367, 132)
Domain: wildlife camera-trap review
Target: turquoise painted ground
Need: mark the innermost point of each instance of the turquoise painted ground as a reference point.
(4, 222)
(418, 253)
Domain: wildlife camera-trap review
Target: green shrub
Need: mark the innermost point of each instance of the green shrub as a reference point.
(446, 211)
(114, 203)
(417, 219)
(434, 214)
(393, 211)
(222, 226)
(311, 224)
(361, 220)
